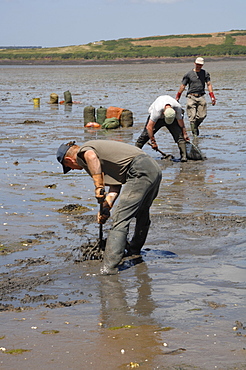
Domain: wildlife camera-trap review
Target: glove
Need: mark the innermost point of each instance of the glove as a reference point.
(178, 95)
(105, 214)
(185, 135)
(212, 98)
(154, 144)
(99, 187)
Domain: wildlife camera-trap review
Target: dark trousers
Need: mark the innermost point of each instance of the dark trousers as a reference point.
(139, 191)
(174, 129)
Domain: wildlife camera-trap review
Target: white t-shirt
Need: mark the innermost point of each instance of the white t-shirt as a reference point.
(157, 107)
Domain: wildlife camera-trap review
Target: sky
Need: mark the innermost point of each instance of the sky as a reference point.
(50, 23)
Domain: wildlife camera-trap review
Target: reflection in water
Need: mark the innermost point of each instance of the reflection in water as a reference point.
(187, 187)
(54, 107)
(124, 135)
(126, 309)
(68, 108)
(124, 302)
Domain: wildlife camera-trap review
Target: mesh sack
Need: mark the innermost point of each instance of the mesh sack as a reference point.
(126, 119)
(68, 97)
(193, 152)
(53, 98)
(101, 115)
(89, 114)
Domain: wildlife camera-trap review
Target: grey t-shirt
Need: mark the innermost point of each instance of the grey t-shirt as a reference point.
(115, 158)
(196, 81)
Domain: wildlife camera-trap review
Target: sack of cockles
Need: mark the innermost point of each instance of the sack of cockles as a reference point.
(107, 118)
(193, 152)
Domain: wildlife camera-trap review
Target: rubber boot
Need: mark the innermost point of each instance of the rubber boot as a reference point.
(138, 240)
(114, 251)
(139, 145)
(194, 129)
(182, 149)
(142, 140)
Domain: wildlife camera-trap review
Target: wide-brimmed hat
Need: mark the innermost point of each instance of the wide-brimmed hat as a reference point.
(61, 152)
(169, 115)
(199, 60)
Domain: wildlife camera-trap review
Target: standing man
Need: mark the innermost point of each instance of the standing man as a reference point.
(165, 111)
(114, 164)
(196, 105)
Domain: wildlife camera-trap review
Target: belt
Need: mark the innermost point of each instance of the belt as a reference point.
(197, 95)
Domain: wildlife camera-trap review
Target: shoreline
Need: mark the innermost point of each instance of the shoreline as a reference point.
(156, 60)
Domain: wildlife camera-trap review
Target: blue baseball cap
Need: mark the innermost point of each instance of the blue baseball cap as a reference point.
(61, 152)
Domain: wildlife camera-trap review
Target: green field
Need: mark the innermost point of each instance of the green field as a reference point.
(230, 43)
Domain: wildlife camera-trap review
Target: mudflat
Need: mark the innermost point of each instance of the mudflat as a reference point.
(181, 304)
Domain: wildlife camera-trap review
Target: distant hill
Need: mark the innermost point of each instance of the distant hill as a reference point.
(20, 47)
(220, 44)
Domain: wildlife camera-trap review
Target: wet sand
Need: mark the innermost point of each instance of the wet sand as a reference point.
(178, 310)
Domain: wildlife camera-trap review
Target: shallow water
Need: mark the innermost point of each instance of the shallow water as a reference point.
(33, 146)
(199, 213)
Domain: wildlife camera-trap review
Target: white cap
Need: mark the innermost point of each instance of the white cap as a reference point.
(169, 115)
(199, 60)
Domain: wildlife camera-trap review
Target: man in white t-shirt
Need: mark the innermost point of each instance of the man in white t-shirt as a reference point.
(165, 111)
